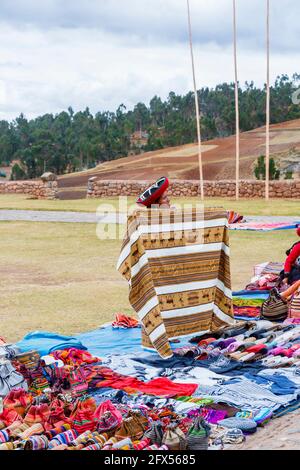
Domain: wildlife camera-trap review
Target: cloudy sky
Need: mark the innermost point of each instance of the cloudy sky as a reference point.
(100, 53)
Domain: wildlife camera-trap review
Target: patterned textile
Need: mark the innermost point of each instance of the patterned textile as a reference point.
(246, 312)
(245, 306)
(263, 226)
(178, 268)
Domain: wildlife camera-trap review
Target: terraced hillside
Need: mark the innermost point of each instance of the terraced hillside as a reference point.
(182, 162)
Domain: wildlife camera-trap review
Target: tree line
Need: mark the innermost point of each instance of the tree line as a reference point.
(70, 141)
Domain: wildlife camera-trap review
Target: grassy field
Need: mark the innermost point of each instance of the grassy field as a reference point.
(62, 278)
(247, 207)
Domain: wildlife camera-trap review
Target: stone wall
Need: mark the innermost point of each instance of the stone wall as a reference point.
(36, 189)
(248, 189)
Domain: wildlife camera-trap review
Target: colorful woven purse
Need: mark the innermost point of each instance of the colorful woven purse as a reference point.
(275, 308)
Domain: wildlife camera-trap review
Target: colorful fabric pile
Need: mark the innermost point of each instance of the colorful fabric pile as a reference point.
(61, 417)
(234, 217)
(247, 304)
(266, 276)
(263, 282)
(123, 321)
(213, 392)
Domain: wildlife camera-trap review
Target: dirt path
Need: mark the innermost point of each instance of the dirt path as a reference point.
(60, 216)
(93, 218)
(280, 434)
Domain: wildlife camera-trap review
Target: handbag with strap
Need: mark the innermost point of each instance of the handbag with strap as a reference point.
(174, 438)
(275, 308)
(197, 437)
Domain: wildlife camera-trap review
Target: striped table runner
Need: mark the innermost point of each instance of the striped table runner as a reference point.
(177, 265)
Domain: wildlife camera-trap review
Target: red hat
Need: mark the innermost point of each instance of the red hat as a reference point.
(154, 192)
(298, 231)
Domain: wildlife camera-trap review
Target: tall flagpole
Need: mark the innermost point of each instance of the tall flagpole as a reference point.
(237, 112)
(268, 106)
(196, 104)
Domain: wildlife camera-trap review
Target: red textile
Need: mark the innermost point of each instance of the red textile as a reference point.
(9, 416)
(252, 312)
(158, 387)
(164, 386)
(123, 321)
(82, 416)
(105, 407)
(206, 342)
(257, 348)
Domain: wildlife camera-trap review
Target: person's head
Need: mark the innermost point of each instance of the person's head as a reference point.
(156, 195)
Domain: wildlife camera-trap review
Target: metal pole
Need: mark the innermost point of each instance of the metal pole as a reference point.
(268, 105)
(196, 104)
(237, 112)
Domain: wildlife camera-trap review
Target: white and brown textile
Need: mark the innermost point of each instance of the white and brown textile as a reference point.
(177, 265)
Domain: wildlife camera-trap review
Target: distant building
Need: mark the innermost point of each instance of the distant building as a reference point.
(139, 139)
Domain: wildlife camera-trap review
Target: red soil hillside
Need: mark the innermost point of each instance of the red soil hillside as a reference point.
(182, 162)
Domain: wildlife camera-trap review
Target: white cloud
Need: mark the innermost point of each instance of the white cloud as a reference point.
(102, 53)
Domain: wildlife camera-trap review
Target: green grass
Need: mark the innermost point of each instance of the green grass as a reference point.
(61, 277)
(245, 206)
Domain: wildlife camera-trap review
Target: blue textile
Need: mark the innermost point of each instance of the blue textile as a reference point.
(257, 294)
(107, 340)
(101, 342)
(45, 342)
(277, 383)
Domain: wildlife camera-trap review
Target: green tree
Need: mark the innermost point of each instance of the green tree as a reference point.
(260, 169)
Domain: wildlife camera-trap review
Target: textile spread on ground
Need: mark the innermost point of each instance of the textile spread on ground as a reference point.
(215, 390)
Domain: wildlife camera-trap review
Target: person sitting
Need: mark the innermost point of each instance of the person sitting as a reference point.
(292, 295)
(291, 272)
(156, 196)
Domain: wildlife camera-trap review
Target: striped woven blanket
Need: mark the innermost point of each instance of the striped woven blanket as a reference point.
(178, 268)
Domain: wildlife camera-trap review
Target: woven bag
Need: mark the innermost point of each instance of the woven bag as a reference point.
(275, 308)
(197, 437)
(174, 438)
